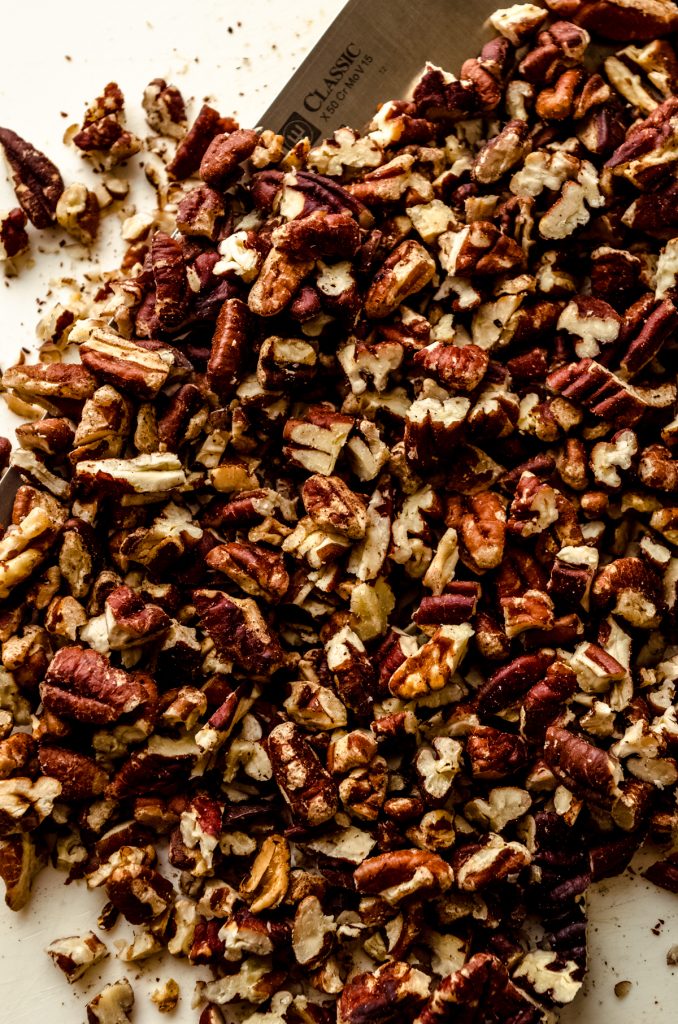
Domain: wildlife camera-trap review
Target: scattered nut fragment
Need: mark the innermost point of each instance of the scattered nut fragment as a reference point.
(166, 996)
(14, 239)
(78, 213)
(113, 1005)
(76, 954)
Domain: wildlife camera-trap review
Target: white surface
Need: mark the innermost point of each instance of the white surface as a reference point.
(188, 43)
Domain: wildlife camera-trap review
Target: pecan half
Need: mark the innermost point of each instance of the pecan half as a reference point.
(37, 182)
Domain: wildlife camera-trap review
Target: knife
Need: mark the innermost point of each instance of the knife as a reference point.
(372, 52)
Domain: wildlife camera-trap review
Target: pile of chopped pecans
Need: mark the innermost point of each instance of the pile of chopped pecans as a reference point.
(345, 567)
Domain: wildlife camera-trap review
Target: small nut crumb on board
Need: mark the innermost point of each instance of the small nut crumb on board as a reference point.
(339, 599)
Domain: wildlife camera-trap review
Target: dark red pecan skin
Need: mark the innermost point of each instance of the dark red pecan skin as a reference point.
(544, 701)
(220, 165)
(613, 856)
(458, 367)
(37, 182)
(321, 235)
(254, 649)
(587, 770)
(5, 452)
(81, 685)
(149, 773)
(230, 343)
(323, 193)
(494, 754)
(133, 614)
(593, 386)
(456, 605)
(81, 777)
(125, 886)
(171, 283)
(509, 683)
(664, 873)
(265, 186)
(380, 998)
(193, 146)
(308, 788)
(173, 423)
(483, 982)
(13, 235)
(621, 22)
(659, 327)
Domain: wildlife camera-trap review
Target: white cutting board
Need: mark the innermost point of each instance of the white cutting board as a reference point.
(56, 57)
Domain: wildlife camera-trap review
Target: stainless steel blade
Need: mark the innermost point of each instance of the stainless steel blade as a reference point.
(372, 52)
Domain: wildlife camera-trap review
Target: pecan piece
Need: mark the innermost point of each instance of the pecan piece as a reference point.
(330, 503)
(403, 873)
(258, 572)
(229, 347)
(165, 108)
(240, 633)
(279, 279)
(171, 284)
(20, 862)
(477, 866)
(193, 146)
(309, 790)
(80, 777)
(81, 685)
(220, 165)
(321, 235)
(619, 19)
(76, 954)
(124, 364)
(434, 664)
(585, 769)
(394, 989)
(13, 235)
(37, 182)
(407, 270)
(113, 1005)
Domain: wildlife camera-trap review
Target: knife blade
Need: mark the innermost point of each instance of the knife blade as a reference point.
(372, 52)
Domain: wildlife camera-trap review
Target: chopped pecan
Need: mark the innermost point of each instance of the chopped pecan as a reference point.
(165, 109)
(76, 954)
(113, 1005)
(582, 767)
(279, 279)
(20, 862)
(80, 684)
(408, 269)
(305, 785)
(124, 364)
(433, 666)
(193, 145)
(393, 987)
(14, 238)
(257, 571)
(220, 165)
(619, 20)
(37, 182)
(401, 874)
